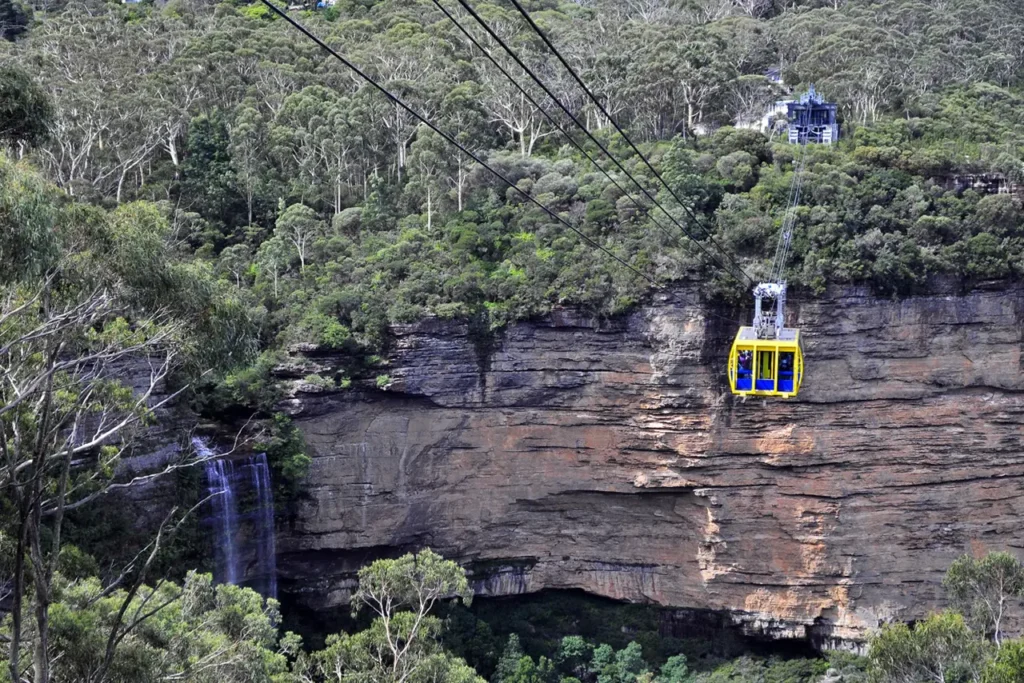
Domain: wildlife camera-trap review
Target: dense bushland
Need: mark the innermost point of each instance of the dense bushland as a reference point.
(334, 215)
(191, 188)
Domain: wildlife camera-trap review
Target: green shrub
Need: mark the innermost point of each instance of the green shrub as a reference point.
(319, 381)
(286, 454)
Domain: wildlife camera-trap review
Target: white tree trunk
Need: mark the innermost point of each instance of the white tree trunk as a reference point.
(429, 210)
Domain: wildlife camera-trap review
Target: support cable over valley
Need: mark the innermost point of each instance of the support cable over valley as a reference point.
(566, 134)
(572, 72)
(451, 140)
(483, 23)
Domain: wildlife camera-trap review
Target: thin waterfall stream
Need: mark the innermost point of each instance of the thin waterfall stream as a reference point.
(266, 555)
(243, 541)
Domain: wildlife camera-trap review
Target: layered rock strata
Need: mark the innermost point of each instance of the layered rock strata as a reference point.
(609, 456)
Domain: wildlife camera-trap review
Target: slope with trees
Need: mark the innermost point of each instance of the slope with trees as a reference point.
(333, 215)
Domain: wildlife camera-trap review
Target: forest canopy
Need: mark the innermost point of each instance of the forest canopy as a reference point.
(334, 213)
(193, 188)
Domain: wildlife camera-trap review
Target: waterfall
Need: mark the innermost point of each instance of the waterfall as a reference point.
(266, 556)
(229, 482)
(220, 485)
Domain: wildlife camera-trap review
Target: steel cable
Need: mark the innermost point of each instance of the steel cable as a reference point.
(451, 140)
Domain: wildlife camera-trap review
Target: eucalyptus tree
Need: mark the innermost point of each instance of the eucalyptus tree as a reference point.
(682, 76)
(317, 139)
(504, 102)
(755, 8)
(402, 643)
(939, 648)
(747, 98)
(299, 226)
(428, 162)
(272, 259)
(25, 110)
(464, 117)
(90, 297)
(986, 590)
(249, 136)
(604, 60)
(701, 12)
(234, 261)
(413, 64)
(298, 135)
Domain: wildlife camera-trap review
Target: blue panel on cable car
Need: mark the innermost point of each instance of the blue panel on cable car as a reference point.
(743, 383)
(766, 385)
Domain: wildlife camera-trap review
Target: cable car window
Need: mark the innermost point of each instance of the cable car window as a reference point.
(744, 369)
(786, 370)
(766, 371)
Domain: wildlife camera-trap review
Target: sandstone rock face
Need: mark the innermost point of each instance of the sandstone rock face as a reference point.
(611, 457)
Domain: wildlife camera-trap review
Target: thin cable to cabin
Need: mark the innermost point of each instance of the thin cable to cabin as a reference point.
(782, 247)
(791, 201)
(604, 112)
(789, 219)
(451, 140)
(582, 127)
(559, 128)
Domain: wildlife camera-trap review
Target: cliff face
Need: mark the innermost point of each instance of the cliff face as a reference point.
(610, 457)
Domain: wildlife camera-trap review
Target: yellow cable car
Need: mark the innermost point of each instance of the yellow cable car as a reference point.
(766, 359)
(766, 367)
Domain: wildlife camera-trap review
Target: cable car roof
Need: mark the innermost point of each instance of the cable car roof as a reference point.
(750, 334)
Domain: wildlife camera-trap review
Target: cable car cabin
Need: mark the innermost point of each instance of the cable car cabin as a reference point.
(766, 367)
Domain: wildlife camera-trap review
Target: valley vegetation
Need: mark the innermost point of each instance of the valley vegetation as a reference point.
(201, 632)
(335, 215)
(189, 189)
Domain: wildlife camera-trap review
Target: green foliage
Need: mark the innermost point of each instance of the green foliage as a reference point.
(318, 381)
(29, 242)
(257, 11)
(402, 642)
(472, 639)
(574, 654)
(580, 660)
(984, 590)
(324, 331)
(794, 670)
(674, 670)
(252, 385)
(286, 454)
(940, 647)
(209, 177)
(25, 110)
(415, 581)
(198, 628)
(509, 661)
(747, 669)
(75, 564)
(1007, 666)
(628, 665)
(850, 667)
